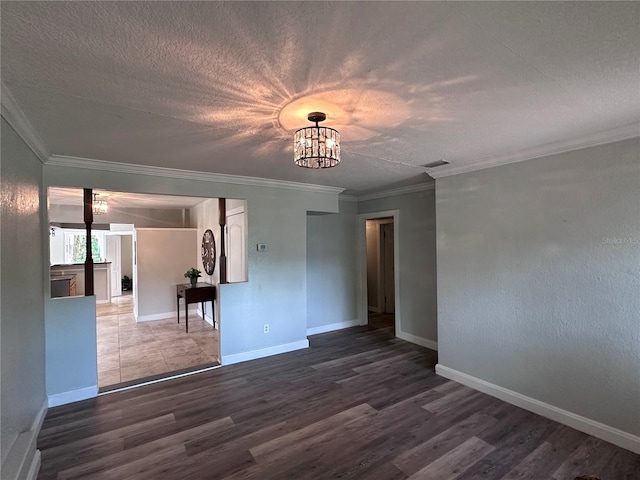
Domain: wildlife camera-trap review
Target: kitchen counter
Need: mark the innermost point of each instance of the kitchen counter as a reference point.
(101, 279)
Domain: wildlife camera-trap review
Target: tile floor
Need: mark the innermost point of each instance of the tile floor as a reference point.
(128, 350)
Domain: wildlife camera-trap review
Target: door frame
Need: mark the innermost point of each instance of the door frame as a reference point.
(363, 317)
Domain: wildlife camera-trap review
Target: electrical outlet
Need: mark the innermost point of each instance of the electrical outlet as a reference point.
(266, 328)
(181, 301)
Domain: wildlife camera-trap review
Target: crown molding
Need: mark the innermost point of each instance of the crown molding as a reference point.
(601, 138)
(347, 198)
(129, 168)
(397, 191)
(14, 115)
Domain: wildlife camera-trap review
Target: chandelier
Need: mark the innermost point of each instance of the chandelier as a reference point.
(100, 207)
(316, 147)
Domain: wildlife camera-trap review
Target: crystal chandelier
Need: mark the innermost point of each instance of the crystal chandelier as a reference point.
(316, 147)
(100, 207)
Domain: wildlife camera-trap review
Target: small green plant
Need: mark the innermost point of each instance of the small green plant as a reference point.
(192, 273)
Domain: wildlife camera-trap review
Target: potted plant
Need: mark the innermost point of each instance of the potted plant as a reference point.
(192, 274)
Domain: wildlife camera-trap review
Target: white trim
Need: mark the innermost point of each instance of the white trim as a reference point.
(331, 327)
(363, 316)
(14, 115)
(347, 198)
(34, 468)
(601, 138)
(92, 164)
(373, 309)
(158, 380)
(263, 352)
(207, 318)
(163, 316)
(424, 342)
(23, 459)
(397, 191)
(235, 211)
(177, 229)
(584, 424)
(73, 396)
(39, 420)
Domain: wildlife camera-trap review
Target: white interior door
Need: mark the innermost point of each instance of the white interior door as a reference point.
(114, 256)
(236, 247)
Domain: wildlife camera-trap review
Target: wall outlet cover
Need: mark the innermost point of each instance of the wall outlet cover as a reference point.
(262, 247)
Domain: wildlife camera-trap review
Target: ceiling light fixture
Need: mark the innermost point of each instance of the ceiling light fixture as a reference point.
(316, 147)
(100, 207)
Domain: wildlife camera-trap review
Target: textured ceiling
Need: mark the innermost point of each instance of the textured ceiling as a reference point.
(221, 86)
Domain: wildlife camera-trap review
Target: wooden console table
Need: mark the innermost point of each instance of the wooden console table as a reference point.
(202, 292)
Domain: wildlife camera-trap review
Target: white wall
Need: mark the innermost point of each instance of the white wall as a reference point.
(539, 280)
(332, 275)
(22, 363)
(56, 247)
(164, 255)
(417, 262)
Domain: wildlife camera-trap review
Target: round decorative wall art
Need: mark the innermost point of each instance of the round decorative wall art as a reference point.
(208, 252)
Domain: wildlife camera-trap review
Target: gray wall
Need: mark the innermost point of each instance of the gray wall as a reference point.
(22, 314)
(276, 292)
(332, 275)
(539, 279)
(72, 363)
(417, 264)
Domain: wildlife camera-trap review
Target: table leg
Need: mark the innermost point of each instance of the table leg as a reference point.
(178, 306)
(186, 315)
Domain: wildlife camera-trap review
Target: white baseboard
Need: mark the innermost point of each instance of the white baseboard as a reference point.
(423, 342)
(373, 309)
(206, 318)
(584, 424)
(165, 315)
(331, 327)
(23, 459)
(263, 352)
(73, 396)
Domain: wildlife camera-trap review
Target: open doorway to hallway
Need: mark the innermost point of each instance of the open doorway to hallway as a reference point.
(380, 275)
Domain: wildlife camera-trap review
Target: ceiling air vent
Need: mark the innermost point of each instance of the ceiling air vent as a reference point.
(437, 163)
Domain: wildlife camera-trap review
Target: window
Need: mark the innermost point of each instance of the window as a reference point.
(75, 247)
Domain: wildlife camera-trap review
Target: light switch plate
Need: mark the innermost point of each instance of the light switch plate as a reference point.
(262, 247)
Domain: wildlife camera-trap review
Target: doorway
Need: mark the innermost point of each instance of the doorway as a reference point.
(379, 273)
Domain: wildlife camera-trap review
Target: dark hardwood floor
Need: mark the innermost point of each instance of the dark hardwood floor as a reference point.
(358, 404)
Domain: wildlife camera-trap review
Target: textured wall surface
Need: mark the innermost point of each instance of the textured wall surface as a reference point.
(332, 275)
(22, 310)
(417, 259)
(539, 279)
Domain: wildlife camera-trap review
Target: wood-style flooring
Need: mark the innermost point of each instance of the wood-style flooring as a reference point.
(357, 404)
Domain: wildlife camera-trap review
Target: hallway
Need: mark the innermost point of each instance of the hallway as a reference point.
(129, 351)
